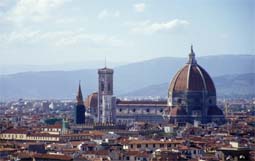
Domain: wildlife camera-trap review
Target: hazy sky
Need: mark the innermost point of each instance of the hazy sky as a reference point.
(59, 31)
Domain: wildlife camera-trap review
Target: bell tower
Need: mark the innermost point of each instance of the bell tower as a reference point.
(106, 112)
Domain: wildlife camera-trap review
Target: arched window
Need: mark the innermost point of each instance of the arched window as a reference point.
(109, 87)
(102, 86)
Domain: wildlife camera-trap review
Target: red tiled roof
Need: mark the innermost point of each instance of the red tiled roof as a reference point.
(137, 153)
(45, 156)
(56, 126)
(44, 134)
(52, 156)
(7, 149)
(15, 131)
(155, 142)
(142, 103)
(98, 152)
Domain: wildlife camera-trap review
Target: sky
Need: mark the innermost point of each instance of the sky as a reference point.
(44, 32)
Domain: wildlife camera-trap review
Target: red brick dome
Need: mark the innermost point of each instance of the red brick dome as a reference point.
(91, 101)
(192, 77)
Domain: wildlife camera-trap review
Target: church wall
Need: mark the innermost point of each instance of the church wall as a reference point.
(142, 112)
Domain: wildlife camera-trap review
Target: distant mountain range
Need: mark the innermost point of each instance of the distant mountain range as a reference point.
(236, 85)
(11, 69)
(127, 78)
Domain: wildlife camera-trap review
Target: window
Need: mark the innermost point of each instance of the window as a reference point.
(102, 86)
(134, 110)
(120, 110)
(154, 145)
(210, 101)
(109, 87)
(138, 145)
(147, 110)
(161, 110)
(146, 145)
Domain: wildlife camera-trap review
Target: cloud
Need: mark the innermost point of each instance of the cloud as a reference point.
(58, 38)
(152, 27)
(33, 10)
(139, 7)
(4, 3)
(105, 13)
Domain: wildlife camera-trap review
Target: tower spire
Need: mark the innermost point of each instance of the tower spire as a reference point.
(192, 59)
(105, 65)
(79, 97)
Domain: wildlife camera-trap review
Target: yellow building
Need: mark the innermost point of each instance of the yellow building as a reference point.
(139, 145)
(22, 134)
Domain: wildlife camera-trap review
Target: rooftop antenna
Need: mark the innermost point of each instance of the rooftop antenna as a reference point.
(105, 62)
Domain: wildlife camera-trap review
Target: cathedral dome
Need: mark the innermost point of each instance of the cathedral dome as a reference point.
(91, 101)
(192, 93)
(192, 77)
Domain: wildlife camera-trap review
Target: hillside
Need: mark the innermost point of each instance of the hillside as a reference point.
(236, 85)
(127, 78)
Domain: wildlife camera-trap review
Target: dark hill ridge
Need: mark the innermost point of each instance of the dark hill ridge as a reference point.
(127, 78)
(236, 85)
(160, 70)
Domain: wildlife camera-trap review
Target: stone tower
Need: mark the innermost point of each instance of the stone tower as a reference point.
(80, 108)
(106, 113)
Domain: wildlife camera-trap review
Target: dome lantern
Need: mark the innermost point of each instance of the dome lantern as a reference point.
(192, 59)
